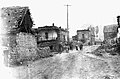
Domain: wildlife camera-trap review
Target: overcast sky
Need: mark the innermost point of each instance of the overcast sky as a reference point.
(81, 12)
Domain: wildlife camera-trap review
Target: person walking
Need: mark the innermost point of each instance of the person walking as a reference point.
(81, 46)
(76, 47)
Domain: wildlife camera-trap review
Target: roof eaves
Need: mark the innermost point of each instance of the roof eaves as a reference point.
(26, 9)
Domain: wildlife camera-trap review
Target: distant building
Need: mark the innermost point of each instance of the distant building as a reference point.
(86, 36)
(51, 36)
(74, 38)
(92, 35)
(110, 32)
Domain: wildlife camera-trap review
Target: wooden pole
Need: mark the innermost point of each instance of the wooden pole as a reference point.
(67, 23)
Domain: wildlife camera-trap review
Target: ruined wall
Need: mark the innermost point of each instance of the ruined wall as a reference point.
(21, 46)
(18, 45)
(26, 44)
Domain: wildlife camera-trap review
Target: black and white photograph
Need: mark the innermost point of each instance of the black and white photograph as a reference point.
(60, 39)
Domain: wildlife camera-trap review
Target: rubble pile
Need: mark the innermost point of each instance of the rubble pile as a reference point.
(43, 52)
(106, 48)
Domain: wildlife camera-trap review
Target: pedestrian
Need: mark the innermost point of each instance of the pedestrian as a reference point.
(71, 46)
(76, 47)
(81, 46)
(60, 48)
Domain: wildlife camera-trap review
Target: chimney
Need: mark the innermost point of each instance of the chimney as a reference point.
(53, 24)
(118, 20)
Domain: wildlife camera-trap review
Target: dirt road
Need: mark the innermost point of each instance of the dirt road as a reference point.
(72, 65)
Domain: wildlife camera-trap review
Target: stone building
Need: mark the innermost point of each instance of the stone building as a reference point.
(86, 36)
(74, 38)
(52, 36)
(83, 35)
(110, 32)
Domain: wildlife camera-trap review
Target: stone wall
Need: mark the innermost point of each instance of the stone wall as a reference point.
(109, 35)
(22, 46)
(26, 45)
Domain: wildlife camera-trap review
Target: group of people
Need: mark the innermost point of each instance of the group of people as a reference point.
(79, 47)
(76, 46)
(70, 46)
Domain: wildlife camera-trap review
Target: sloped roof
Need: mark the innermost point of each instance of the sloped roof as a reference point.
(110, 28)
(13, 16)
(51, 28)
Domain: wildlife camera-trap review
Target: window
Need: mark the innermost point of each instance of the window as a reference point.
(83, 36)
(46, 35)
(51, 47)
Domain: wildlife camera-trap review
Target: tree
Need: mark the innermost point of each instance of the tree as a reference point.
(96, 30)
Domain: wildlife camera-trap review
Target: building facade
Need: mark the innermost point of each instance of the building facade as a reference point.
(110, 32)
(83, 36)
(86, 36)
(51, 36)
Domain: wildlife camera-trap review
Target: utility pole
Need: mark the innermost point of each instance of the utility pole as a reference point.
(67, 23)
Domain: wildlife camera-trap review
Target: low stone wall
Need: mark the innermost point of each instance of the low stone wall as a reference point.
(43, 52)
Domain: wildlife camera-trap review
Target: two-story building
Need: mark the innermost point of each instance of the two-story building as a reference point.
(52, 36)
(83, 36)
(86, 36)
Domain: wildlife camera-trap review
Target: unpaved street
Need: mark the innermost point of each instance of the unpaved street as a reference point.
(72, 65)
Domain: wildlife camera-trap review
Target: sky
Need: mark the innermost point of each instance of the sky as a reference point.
(82, 13)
